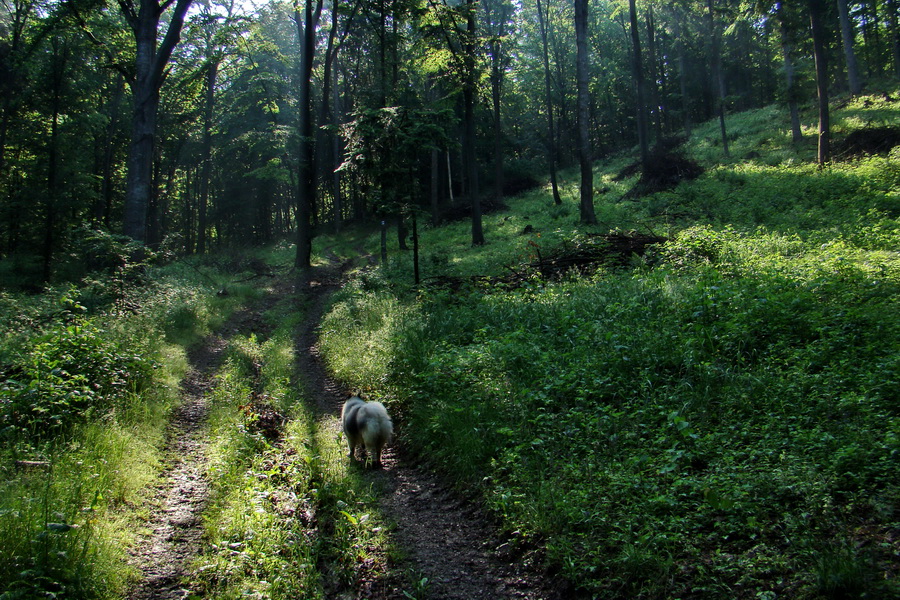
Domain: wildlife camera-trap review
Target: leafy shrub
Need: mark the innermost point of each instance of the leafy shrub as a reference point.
(68, 376)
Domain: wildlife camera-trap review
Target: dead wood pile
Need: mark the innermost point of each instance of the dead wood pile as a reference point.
(584, 256)
(663, 171)
(873, 140)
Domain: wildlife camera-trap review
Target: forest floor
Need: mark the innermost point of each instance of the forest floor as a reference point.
(444, 538)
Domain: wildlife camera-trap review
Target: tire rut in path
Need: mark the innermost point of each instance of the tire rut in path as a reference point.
(175, 523)
(447, 539)
(181, 497)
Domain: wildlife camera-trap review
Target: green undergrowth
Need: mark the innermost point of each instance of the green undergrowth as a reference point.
(90, 376)
(290, 517)
(718, 421)
(724, 424)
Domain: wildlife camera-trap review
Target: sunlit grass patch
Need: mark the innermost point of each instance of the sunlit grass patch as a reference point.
(289, 518)
(357, 337)
(67, 520)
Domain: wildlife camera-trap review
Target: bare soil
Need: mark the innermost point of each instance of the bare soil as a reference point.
(173, 531)
(446, 539)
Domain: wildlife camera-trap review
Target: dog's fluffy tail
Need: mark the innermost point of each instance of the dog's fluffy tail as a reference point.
(376, 429)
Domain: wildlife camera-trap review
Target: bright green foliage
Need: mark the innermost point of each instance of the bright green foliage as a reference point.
(643, 424)
(70, 375)
(89, 379)
(288, 520)
(720, 421)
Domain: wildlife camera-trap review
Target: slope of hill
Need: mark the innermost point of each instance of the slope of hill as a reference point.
(717, 418)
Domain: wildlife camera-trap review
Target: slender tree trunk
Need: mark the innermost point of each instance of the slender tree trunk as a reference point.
(637, 66)
(853, 78)
(336, 154)
(206, 160)
(654, 74)
(469, 103)
(891, 7)
(584, 141)
(326, 114)
(415, 237)
(306, 180)
(188, 212)
(150, 64)
(548, 102)
(497, 18)
(58, 74)
(52, 190)
(103, 206)
(818, 32)
(682, 72)
(433, 191)
(382, 55)
(496, 88)
(450, 180)
(718, 79)
(787, 50)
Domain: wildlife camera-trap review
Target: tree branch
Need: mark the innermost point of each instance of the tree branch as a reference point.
(173, 35)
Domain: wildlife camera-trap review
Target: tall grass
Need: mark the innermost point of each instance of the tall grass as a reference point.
(91, 377)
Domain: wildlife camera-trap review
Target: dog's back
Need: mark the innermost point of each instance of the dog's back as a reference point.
(366, 424)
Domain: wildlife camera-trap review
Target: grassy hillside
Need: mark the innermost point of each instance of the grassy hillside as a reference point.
(717, 419)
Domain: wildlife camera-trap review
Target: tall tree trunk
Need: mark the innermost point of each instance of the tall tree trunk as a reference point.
(469, 117)
(306, 180)
(57, 78)
(871, 30)
(818, 33)
(853, 78)
(891, 7)
(787, 49)
(450, 180)
(150, 64)
(328, 156)
(637, 70)
(548, 101)
(654, 74)
(584, 141)
(382, 55)
(496, 88)
(331, 107)
(336, 154)
(682, 72)
(497, 15)
(103, 206)
(718, 80)
(434, 197)
(206, 160)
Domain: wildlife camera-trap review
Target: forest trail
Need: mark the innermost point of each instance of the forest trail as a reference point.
(448, 543)
(174, 527)
(174, 523)
(445, 537)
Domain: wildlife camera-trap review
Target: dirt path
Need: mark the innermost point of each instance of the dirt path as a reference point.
(446, 539)
(174, 526)
(179, 501)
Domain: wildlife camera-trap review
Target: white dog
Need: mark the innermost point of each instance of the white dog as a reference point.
(368, 424)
